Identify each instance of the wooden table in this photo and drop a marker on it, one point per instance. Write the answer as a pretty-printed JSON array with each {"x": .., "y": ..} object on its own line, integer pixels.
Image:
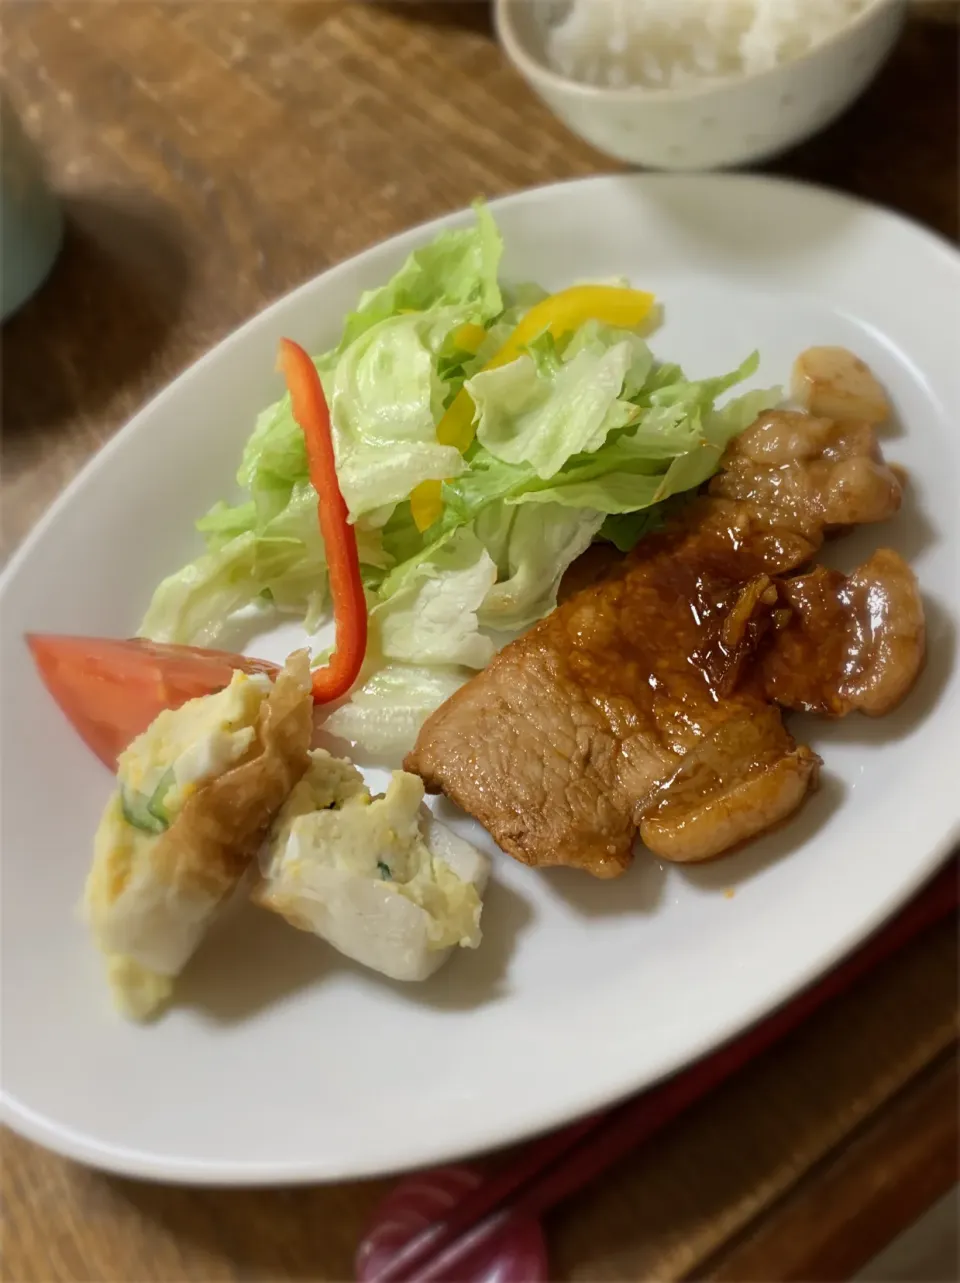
[{"x": 212, "y": 156}]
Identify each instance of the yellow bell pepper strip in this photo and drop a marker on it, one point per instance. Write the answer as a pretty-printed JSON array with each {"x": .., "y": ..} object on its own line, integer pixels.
[
  {"x": 468, "y": 338},
  {"x": 339, "y": 538},
  {"x": 559, "y": 314}
]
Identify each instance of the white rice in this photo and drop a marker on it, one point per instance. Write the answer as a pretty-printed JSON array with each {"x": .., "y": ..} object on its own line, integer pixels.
[{"x": 666, "y": 44}]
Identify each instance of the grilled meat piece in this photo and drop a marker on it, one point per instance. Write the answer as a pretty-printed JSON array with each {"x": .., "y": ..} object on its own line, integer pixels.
[
  {"x": 807, "y": 475},
  {"x": 847, "y": 643},
  {"x": 576, "y": 730},
  {"x": 644, "y": 702},
  {"x": 735, "y": 783}
]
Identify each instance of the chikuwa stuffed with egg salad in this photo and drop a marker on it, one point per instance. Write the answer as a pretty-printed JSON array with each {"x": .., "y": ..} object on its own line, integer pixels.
[
  {"x": 376, "y": 877},
  {"x": 196, "y": 793}
]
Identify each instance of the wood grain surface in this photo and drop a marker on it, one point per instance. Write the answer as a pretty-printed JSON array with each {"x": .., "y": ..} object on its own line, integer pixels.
[{"x": 210, "y": 157}]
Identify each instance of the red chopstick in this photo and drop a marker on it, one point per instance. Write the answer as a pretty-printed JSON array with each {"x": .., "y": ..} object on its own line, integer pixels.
[{"x": 557, "y": 1166}]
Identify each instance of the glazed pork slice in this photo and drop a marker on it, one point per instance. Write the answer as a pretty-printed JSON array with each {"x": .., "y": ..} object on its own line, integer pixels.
[
  {"x": 573, "y": 733},
  {"x": 640, "y": 704},
  {"x": 808, "y": 476},
  {"x": 848, "y": 643},
  {"x": 838, "y": 644},
  {"x": 742, "y": 779}
]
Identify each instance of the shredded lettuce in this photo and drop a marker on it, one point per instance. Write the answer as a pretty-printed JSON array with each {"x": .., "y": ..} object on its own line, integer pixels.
[
  {"x": 280, "y": 562},
  {"x": 386, "y": 397},
  {"x": 429, "y": 615},
  {"x": 581, "y": 437},
  {"x": 386, "y": 388},
  {"x": 543, "y": 409},
  {"x": 384, "y": 716},
  {"x": 459, "y": 268},
  {"x": 674, "y": 442},
  {"x": 531, "y": 548}
]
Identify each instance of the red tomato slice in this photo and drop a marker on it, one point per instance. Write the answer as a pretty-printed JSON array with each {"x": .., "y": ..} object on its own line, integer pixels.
[{"x": 112, "y": 690}]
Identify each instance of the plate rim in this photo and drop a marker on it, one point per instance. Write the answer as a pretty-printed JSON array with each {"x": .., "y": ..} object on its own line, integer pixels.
[{"x": 206, "y": 1173}]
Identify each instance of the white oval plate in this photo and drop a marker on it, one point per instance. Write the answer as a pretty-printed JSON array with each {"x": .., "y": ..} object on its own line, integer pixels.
[{"x": 286, "y": 1063}]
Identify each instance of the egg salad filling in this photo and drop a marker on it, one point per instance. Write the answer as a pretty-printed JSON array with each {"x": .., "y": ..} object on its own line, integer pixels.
[
  {"x": 181, "y": 750},
  {"x": 185, "y": 746},
  {"x": 377, "y": 877}
]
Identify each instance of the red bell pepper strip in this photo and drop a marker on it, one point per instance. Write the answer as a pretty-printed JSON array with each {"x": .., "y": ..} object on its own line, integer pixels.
[
  {"x": 346, "y": 587},
  {"x": 113, "y": 690}
]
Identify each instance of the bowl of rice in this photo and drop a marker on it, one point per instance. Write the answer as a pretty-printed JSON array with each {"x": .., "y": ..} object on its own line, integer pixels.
[{"x": 697, "y": 84}]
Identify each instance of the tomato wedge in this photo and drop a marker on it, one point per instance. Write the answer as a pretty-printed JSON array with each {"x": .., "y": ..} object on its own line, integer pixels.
[{"x": 112, "y": 690}]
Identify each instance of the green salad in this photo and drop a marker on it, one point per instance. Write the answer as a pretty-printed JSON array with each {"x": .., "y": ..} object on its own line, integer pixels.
[{"x": 485, "y": 435}]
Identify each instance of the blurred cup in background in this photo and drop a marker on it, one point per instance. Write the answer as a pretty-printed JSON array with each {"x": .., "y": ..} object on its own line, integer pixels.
[{"x": 31, "y": 221}]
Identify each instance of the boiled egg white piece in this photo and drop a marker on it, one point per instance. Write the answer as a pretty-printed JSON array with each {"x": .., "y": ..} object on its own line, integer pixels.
[{"x": 376, "y": 877}]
